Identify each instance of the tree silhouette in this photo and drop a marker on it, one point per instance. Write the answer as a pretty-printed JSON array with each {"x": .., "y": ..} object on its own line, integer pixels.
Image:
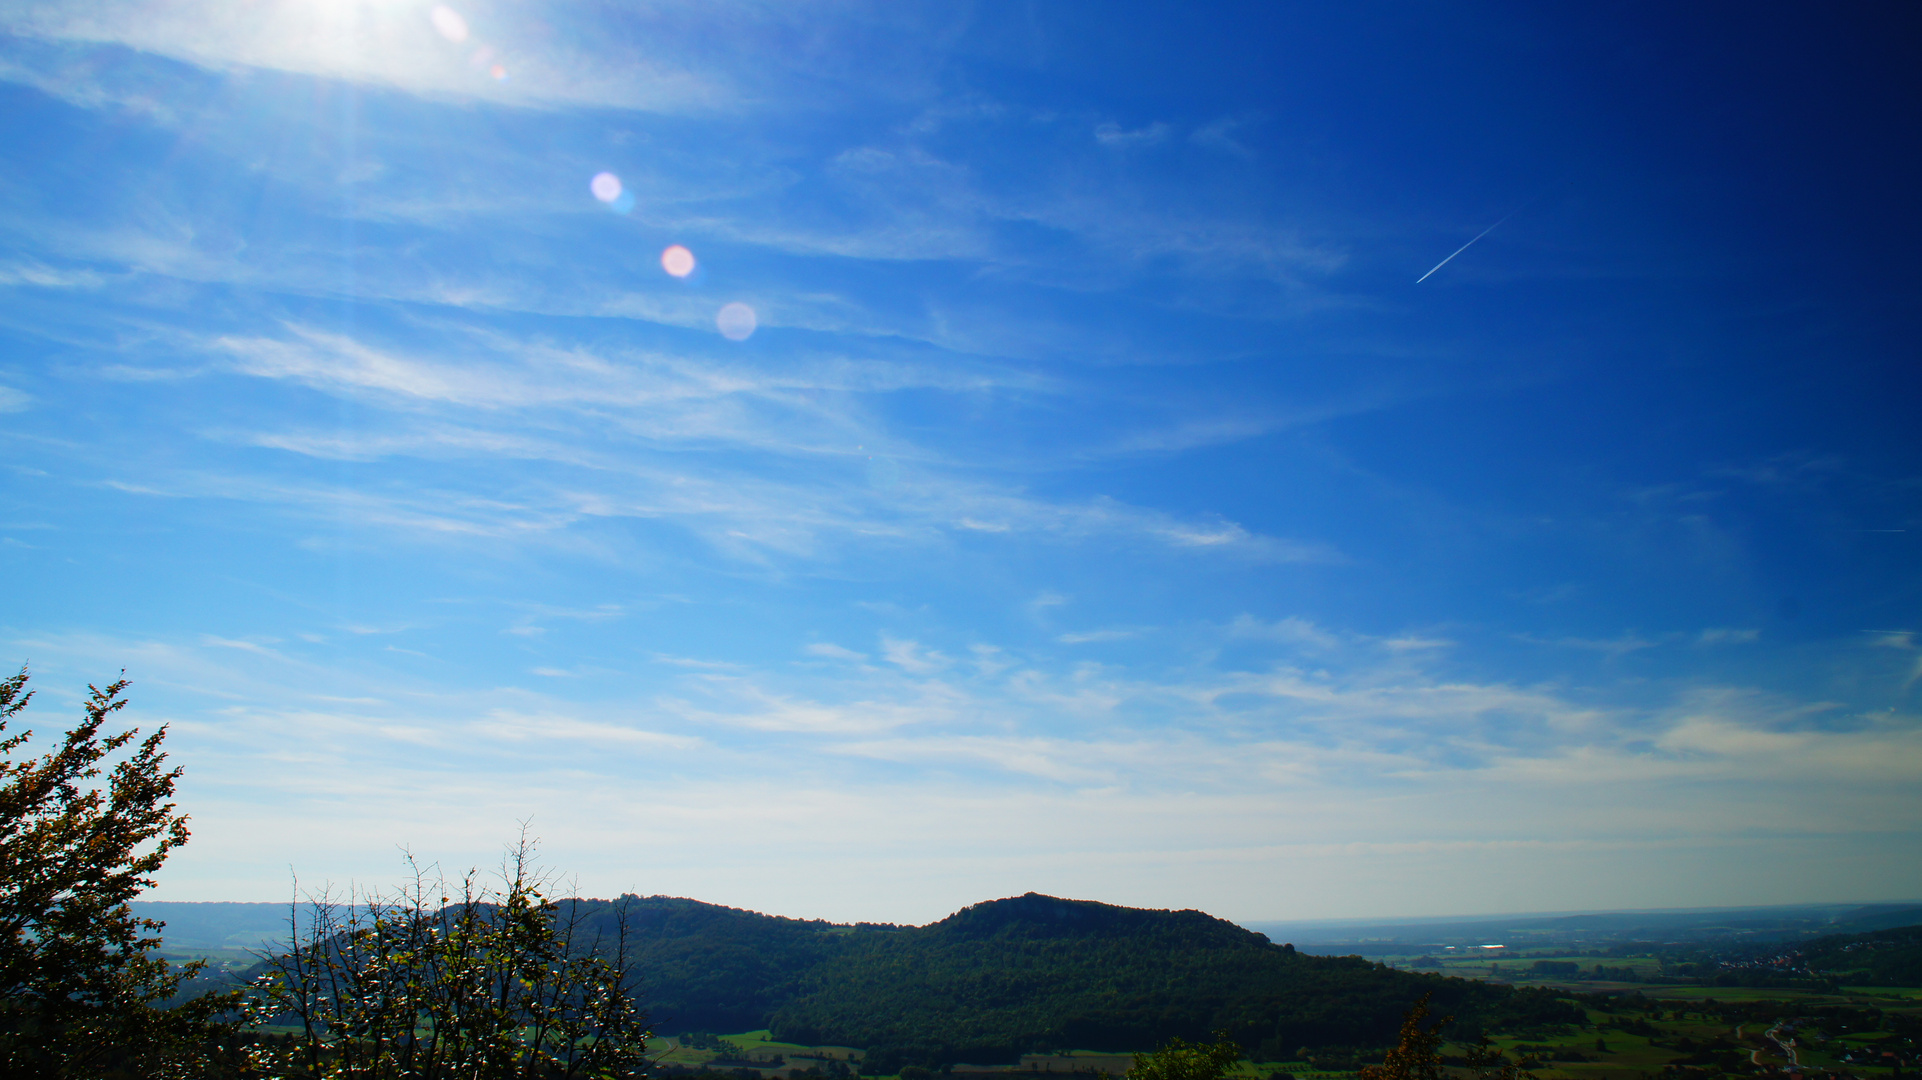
[
  {"x": 454, "y": 980},
  {"x": 79, "y": 988},
  {"x": 1417, "y": 1053}
]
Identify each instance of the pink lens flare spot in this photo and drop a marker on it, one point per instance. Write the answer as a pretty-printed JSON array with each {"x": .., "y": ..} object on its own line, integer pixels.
[
  {"x": 605, "y": 186},
  {"x": 679, "y": 261},
  {"x": 736, "y": 322},
  {"x": 498, "y": 72},
  {"x": 449, "y": 23},
  {"x": 482, "y": 57}
]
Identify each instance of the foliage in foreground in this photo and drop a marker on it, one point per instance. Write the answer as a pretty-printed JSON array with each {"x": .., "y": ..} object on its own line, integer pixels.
[
  {"x": 423, "y": 984},
  {"x": 1417, "y": 1052},
  {"x": 1179, "y": 1059},
  {"x": 79, "y": 987}
]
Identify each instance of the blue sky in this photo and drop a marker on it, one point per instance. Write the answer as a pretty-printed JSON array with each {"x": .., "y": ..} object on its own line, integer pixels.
[{"x": 1096, "y": 503}]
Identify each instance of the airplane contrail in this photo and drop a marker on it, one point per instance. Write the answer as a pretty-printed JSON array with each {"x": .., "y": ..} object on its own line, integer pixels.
[{"x": 1466, "y": 246}]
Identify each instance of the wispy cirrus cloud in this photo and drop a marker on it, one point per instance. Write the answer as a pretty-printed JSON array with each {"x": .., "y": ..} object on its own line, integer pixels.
[
  {"x": 1218, "y": 134},
  {"x": 43, "y": 276},
  {"x": 1355, "y": 721},
  {"x": 1114, "y": 135},
  {"x": 1088, "y": 637},
  {"x": 492, "y": 370},
  {"x": 617, "y": 433},
  {"x": 1261, "y": 763}
]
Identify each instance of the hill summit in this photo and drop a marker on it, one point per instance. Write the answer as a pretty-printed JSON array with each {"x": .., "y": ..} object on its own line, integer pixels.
[
  {"x": 1028, "y": 974},
  {"x": 1039, "y": 915}
]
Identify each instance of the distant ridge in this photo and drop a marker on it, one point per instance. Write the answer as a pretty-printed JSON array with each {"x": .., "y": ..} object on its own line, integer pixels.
[
  {"x": 228, "y": 924},
  {"x": 1774, "y": 923},
  {"x": 216, "y": 925}
]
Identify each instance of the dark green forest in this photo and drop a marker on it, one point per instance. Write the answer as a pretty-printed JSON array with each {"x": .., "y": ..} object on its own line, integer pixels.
[
  {"x": 1879, "y": 958},
  {"x": 704, "y": 967},
  {"x": 1029, "y": 974}
]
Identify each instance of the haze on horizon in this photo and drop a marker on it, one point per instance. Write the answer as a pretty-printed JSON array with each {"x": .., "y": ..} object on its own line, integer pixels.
[{"x": 855, "y": 460}]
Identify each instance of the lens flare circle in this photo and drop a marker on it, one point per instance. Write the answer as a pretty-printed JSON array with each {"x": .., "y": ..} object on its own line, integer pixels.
[
  {"x": 605, "y": 186},
  {"x": 736, "y": 321},
  {"x": 679, "y": 262},
  {"x": 449, "y": 23}
]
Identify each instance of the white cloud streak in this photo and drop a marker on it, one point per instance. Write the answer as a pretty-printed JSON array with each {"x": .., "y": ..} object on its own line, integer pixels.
[{"x": 1056, "y": 776}]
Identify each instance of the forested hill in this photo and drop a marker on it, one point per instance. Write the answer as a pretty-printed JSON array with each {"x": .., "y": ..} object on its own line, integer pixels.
[
  {"x": 1890, "y": 957},
  {"x": 704, "y": 967},
  {"x": 1030, "y": 973}
]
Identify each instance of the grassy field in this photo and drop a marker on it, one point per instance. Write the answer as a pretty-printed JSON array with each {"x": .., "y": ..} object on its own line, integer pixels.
[
  {"x": 217, "y": 959},
  {"x": 1896, "y": 993},
  {"x": 1901, "y": 999},
  {"x": 1733, "y": 993},
  {"x": 755, "y": 1046},
  {"x": 1517, "y": 967}
]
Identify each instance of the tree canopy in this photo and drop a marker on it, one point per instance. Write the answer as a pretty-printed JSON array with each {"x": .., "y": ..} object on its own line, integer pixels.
[
  {"x": 1179, "y": 1059},
  {"x": 438, "y": 980},
  {"x": 81, "y": 990}
]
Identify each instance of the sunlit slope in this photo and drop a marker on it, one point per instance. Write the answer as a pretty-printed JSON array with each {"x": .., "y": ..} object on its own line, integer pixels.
[
  {"x": 704, "y": 967},
  {"x": 1037, "y": 973}
]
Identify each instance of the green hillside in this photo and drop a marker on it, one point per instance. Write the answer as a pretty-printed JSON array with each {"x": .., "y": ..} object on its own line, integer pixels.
[
  {"x": 704, "y": 967},
  {"x": 1035, "y": 973},
  {"x": 1029, "y": 974}
]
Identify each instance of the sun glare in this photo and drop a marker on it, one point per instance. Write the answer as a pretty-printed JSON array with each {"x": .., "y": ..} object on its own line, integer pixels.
[{"x": 449, "y": 23}]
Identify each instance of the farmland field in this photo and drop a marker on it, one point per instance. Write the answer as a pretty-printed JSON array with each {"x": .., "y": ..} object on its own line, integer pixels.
[
  {"x": 1900, "y": 993},
  {"x": 751, "y": 1050}
]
